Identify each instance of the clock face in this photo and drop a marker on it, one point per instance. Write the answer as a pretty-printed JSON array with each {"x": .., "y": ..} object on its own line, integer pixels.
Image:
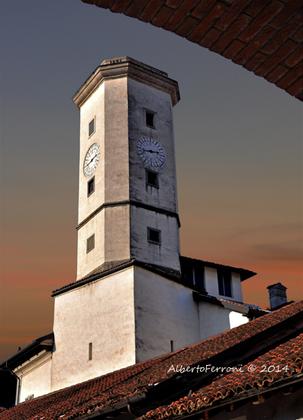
[
  {"x": 151, "y": 152},
  {"x": 91, "y": 159}
]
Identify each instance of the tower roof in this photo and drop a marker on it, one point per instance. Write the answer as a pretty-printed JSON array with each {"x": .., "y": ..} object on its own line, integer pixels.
[{"x": 126, "y": 66}]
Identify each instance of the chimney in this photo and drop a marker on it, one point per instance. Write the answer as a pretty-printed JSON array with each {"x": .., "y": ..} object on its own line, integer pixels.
[{"x": 277, "y": 295}]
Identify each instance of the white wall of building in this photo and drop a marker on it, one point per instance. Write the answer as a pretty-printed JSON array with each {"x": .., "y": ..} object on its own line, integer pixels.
[
  {"x": 236, "y": 319},
  {"x": 236, "y": 287},
  {"x": 101, "y": 313},
  {"x": 108, "y": 104},
  {"x": 213, "y": 319},
  {"x": 35, "y": 376},
  {"x": 165, "y": 311},
  {"x": 211, "y": 284},
  {"x": 166, "y": 254},
  {"x": 129, "y": 316},
  {"x": 211, "y": 281}
]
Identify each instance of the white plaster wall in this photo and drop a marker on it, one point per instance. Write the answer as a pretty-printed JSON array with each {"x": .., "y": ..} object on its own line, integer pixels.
[
  {"x": 109, "y": 106},
  {"x": 236, "y": 287},
  {"x": 116, "y": 140},
  {"x": 236, "y": 319},
  {"x": 213, "y": 319},
  {"x": 103, "y": 313},
  {"x": 92, "y": 108},
  {"x": 165, "y": 311},
  {"x": 111, "y": 228},
  {"x": 141, "y": 97},
  {"x": 167, "y": 253},
  {"x": 89, "y": 261},
  {"x": 35, "y": 377},
  {"x": 211, "y": 284},
  {"x": 117, "y": 233},
  {"x": 118, "y": 106},
  {"x": 211, "y": 281}
]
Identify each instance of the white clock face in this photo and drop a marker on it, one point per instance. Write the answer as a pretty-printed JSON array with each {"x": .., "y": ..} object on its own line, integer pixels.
[
  {"x": 91, "y": 159},
  {"x": 151, "y": 152}
]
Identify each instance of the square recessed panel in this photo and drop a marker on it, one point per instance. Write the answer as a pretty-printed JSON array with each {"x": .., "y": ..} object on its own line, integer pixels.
[
  {"x": 150, "y": 119},
  {"x": 90, "y": 186},
  {"x": 90, "y": 244},
  {"x": 154, "y": 236},
  {"x": 152, "y": 179},
  {"x": 91, "y": 127}
]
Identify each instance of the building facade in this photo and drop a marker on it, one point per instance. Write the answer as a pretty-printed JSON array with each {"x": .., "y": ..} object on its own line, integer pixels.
[{"x": 135, "y": 296}]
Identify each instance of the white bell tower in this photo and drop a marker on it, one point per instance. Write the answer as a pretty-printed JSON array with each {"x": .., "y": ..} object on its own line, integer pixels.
[
  {"x": 127, "y": 174},
  {"x": 124, "y": 307}
]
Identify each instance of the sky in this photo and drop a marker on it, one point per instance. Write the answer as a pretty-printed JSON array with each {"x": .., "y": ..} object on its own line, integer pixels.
[{"x": 238, "y": 150}]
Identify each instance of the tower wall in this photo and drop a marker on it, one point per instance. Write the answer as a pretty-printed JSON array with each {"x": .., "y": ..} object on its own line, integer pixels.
[
  {"x": 123, "y": 206},
  {"x": 165, "y": 311},
  {"x": 101, "y": 313}
]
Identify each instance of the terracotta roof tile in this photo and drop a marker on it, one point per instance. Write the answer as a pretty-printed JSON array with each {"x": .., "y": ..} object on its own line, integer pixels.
[
  {"x": 117, "y": 387},
  {"x": 287, "y": 360}
]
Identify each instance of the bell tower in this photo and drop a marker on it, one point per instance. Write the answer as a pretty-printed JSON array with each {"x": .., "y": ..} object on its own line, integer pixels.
[
  {"x": 123, "y": 307},
  {"x": 127, "y": 174}
]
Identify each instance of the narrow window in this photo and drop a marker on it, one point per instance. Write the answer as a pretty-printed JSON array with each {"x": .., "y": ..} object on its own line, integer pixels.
[
  {"x": 90, "y": 351},
  {"x": 154, "y": 236},
  {"x": 224, "y": 283},
  {"x": 150, "y": 119},
  {"x": 152, "y": 179},
  {"x": 90, "y": 186},
  {"x": 199, "y": 276},
  {"x": 91, "y": 127},
  {"x": 90, "y": 244},
  {"x": 171, "y": 345}
]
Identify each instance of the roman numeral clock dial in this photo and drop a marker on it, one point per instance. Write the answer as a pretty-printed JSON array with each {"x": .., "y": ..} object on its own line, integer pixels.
[
  {"x": 91, "y": 160},
  {"x": 151, "y": 152}
]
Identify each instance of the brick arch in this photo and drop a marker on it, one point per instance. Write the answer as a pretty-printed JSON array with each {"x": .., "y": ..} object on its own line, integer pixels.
[{"x": 263, "y": 36}]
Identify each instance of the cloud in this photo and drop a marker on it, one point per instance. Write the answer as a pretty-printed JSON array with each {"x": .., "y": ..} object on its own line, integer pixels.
[{"x": 292, "y": 252}]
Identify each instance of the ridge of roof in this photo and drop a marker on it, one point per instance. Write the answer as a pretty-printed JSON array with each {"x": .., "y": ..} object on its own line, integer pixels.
[
  {"x": 101, "y": 393},
  {"x": 244, "y": 273}
]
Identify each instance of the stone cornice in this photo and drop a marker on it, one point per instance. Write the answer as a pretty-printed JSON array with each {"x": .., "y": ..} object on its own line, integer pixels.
[
  {"x": 127, "y": 67},
  {"x": 134, "y": 203}
]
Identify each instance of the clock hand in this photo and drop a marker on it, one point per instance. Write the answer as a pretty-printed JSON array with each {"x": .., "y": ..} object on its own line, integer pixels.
[
  {"x": 151, "y": 151},
  {"x": 91, "y": 160}
]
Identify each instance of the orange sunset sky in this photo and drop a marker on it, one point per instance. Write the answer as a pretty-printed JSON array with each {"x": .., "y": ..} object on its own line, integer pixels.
[{"x": 238, "y": 150}]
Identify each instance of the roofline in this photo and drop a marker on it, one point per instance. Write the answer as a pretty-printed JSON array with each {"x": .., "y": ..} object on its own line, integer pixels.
[
  {"x": 167, "y": 273},
  {"x": 248, "y": 395},
  {"x": 244, "y": 273},
  {"x": 29, "y": 351},
  {"x": 118, "y": 67},
  {"x": 251, "y": 311},
  {"x": 163, "y": 271}
]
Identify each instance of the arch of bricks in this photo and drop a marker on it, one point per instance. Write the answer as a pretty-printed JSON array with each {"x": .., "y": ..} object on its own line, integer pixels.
[{"x": 263, "y": 36}]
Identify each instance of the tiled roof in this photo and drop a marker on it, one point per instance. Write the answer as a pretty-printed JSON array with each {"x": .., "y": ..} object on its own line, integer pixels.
[
  {"x": 286, "y": 361},
  {"x": 117, "y": 388},
  {"x": 233, "y": 305}
]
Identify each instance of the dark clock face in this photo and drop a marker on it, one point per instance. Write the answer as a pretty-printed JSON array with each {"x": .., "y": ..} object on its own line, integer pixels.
[{"x": 151, "y": 152}]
